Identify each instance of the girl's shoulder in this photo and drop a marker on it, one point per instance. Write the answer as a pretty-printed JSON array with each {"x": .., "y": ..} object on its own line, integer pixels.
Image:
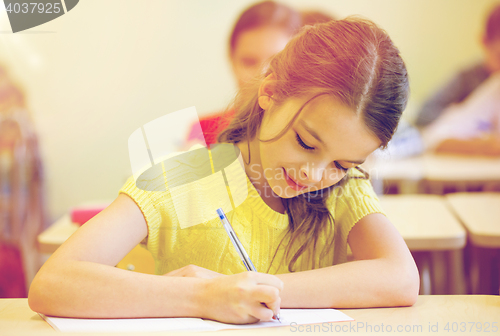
[
  {"x": 353, "y": 199},
  {"x": 151, "y": 199},
  {"x": 357, "y": 185}
]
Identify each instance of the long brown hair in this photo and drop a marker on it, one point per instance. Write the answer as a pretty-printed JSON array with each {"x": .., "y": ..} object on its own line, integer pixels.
[{"x": 352, "y": 60}]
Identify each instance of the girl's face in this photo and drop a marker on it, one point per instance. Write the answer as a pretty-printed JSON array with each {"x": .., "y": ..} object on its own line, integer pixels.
[
  {"x": 324, "y": 142},
  {"x": 253, "y": 48}
]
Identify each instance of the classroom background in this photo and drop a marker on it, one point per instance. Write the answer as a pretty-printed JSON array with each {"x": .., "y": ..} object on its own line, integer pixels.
[{"x": 93, "y": 76}]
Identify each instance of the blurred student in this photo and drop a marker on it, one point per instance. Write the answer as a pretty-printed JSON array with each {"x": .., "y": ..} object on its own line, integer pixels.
[
  {"x": 260, "y": 32},
  {"x": 465, "y": 114},
  {"x": 22, "y": 215},
  {"x": 471, "y": 128},
  {"x": 466, "y": 81}
]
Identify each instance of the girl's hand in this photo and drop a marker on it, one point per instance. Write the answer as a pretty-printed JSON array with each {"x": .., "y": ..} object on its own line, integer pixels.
[
  {"x": 194, "y": 271},
  {"x": 246, "y": 297}
]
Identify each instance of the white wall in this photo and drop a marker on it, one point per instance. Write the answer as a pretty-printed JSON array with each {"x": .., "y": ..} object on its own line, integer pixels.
[{"x": 105, "y": 68}]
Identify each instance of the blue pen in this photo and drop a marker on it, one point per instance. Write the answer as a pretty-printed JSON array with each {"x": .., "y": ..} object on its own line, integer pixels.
[{"x": 237, "y": 245}]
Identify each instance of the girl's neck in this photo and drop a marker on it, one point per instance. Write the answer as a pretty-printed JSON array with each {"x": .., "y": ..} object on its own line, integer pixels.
[{"x": 255, "y": 174}]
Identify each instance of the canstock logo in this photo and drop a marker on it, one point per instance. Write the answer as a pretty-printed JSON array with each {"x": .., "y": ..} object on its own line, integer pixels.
[
  {"x": 199, "y": 181},
  {"x": 26, "y": 14}
]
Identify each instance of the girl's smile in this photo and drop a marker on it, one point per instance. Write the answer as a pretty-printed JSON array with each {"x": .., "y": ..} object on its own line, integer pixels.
[{"x": 294, "y": 185}]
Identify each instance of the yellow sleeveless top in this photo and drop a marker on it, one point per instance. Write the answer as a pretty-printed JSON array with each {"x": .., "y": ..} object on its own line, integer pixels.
[{"x": 259, "y": 228}]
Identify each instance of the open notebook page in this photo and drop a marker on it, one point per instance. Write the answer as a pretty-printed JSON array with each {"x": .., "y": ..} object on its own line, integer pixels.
[
  {"x": 288, "y": 316},
  {"x": 291, "y": 316}
]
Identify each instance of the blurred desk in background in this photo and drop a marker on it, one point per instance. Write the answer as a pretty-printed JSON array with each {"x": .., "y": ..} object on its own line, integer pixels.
[
  {"x": 434, "y": 173},
  {"x": 480, "y": 213},
  {"x": 434, "y": 236},
  {"x": 461, "y": 172},
  {"x": 139, "y": 259},
  {"x": 56, "y": 234}
]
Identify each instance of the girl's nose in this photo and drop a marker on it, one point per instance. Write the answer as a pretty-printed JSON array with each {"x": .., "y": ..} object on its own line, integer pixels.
[{"x": 312, "y": 174}]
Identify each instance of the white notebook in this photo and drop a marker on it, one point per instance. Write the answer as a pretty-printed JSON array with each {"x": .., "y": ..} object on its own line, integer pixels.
[{"x": 288, "y": 317}]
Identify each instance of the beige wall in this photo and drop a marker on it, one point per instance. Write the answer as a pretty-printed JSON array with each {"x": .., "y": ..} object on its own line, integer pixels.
[{"x": 99, "y": 72}]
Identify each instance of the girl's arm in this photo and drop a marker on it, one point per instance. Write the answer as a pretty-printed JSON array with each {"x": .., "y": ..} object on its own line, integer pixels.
[
  {"x": 383, "y": 274},
  {"x": 80, "y": 280}
]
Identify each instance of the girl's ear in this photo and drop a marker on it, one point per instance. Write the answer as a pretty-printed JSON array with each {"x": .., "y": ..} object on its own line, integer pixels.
[{"x": 266, "y": 91}]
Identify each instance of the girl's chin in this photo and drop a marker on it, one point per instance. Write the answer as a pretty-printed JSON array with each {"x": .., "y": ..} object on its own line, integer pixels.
[{"x": 286, "y": 192}]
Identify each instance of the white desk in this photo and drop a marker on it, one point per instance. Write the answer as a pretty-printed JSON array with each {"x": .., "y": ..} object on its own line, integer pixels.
[
  {"x": 427, "y": 225},
  {"x": 480, "y": 214},
  {"x": 431, "y": 315}
]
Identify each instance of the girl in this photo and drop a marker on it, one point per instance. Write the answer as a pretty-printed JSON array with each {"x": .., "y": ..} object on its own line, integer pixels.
[{"x": 329, "y": 99}]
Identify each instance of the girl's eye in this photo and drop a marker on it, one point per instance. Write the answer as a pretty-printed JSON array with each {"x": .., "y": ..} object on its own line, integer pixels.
[
  {"x": 306, "y": 147},
  {"x": 340, "y": 167},
  {"x": 302, "y": 144}
]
